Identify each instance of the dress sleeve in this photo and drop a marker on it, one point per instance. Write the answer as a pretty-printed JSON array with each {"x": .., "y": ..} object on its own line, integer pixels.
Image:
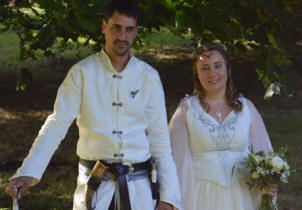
[
  {"x": 160, "y": 146},
  {"x": 66, "y": 109},
  {"x": 259, "y": 137},
  {"x": 180, "y": 142}
]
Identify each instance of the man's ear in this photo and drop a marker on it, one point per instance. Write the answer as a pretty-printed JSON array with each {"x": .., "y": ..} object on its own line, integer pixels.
[
  {"x": 136, "y": 32},
  {"x": 104, "y": 24}
]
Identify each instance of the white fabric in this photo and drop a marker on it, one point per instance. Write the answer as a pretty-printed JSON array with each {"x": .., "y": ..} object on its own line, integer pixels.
[
  {"x": 130, "y": 132},
  {"x": 139, "y": 190},
  {"x": 212, "y": 196},
  {"x": 205, "y": 153}
]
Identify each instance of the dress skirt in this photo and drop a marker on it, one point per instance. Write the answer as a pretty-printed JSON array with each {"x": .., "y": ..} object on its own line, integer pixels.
[{"x": 213, "y": 196}]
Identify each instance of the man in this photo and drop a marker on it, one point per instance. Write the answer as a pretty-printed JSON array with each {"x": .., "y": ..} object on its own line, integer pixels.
[{"x": 118, "y": 101}]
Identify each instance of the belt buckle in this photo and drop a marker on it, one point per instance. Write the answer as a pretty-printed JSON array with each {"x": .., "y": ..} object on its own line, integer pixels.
[
  {"x": 130, "y": 167},
  {"x": 113, "y": 160}
]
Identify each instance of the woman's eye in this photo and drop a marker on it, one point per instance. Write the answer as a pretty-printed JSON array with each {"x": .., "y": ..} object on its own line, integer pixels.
[
  {"x": 205, "y": 68},
  {"x": 218, "y": 66}
]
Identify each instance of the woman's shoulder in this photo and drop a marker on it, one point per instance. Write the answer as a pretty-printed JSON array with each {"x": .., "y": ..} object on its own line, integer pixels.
[
  {"x": 189, "y": 102},
  {"x": 188, "y": 99},
  {"x": 245, "y": 101},
  {"x": 185, "y": 102},
  {"x": 247, "y": 104}
]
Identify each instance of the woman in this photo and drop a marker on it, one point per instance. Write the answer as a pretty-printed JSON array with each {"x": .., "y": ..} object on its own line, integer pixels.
[{"x": 211, "y": 132}]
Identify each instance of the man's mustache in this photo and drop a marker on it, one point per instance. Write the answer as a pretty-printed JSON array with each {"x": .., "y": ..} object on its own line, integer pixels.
[{"x": 121, "y": 42}]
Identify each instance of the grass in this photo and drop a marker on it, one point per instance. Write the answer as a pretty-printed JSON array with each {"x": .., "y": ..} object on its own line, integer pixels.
[
  {"x": 9, "y": 42},
  {"x": 285, "y": 130},
  {"x": 22, "y": 114},
  {"x": 9, "y": 53}
]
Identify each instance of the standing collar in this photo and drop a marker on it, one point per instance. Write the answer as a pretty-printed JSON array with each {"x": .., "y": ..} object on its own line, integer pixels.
[{"x": 108, "y": 65}]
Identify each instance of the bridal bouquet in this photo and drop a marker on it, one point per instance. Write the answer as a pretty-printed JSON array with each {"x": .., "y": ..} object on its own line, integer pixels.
[{"x": 266, "y": 170}]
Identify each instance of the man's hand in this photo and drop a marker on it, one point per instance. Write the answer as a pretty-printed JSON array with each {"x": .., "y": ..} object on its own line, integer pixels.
[
  {"x": 22, "y": 183},
  {"x": 164, "y": 206}
]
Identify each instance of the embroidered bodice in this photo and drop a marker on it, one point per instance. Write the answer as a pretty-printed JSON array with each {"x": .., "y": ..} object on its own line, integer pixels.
[{"x": 217, "y": 148}]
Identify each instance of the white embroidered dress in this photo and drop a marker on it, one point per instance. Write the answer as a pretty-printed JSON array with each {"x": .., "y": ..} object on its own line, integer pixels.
[{"x": 206, "y": 151}]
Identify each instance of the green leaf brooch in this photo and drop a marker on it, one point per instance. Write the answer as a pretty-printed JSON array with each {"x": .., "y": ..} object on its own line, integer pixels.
[{"x": 133, "y": 93}]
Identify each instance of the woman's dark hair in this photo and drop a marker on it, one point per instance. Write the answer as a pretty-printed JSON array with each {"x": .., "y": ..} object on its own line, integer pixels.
[
  {"x": 125, "y": 7},
  {"x": 232, "y": 94}
]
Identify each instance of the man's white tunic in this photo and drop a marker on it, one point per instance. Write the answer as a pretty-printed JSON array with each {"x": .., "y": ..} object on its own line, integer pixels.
[{"x": 120, "y": 116}]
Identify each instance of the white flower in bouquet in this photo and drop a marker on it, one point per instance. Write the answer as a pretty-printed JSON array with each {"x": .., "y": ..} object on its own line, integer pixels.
[
  {"x": 277, "y": 163},
  {"x": 262, "y": 171},
  {"x": 286, "y": 166},
  {"x": 284, "y": 176},
  {"x": 258, "y": 158},
  {"x": 259, "y": 170}
]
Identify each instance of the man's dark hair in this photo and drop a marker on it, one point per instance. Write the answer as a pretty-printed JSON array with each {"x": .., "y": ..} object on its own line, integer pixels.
[{"x": 125, "y": 7}]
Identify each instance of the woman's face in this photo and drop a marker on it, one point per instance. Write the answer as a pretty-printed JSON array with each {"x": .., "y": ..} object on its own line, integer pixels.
[{"x": 212, "y": 72}]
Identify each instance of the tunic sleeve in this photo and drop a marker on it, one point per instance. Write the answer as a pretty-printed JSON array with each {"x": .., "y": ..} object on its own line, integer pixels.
[
  {"x": 158, "y": 134},
  {"x": 180, "y": 141},
  {"x": 66, "y": 109}
]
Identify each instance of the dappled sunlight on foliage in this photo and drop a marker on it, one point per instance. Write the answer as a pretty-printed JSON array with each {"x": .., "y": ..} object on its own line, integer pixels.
[{"x": 272, "y": 28}]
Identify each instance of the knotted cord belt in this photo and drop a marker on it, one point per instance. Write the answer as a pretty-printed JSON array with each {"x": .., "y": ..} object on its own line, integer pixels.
[{"x": 119, "y": 172}]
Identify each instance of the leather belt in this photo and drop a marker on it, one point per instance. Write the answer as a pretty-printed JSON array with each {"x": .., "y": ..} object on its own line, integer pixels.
[
  {"x": 119, "y": 172},
  {"x": 133, "y": 167}
]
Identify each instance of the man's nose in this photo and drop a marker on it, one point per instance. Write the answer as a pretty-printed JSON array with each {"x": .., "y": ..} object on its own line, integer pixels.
[{"x": 122, "y": 35}]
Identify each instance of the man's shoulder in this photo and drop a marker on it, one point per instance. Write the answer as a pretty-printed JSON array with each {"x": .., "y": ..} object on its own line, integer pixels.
[
  {"x": 87, "y": 65},
  {"x": 146, "y": 69},
  {"x": 88, "y": 61}
]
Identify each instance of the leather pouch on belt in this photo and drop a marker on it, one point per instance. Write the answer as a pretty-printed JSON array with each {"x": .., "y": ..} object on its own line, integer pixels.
[{"x": 94, "y": 181}]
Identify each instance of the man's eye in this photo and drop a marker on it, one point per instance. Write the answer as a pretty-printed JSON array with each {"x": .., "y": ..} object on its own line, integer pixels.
[
  {"x": 115, "y": 28},
  {"x": 130, "y": 29}
]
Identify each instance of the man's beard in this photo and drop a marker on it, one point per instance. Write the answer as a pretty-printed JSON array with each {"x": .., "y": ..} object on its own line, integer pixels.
[{"x": 124, "y": 50}]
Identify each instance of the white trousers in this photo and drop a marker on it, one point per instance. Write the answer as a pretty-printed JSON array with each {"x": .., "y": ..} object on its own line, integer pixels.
[{"x": 139, "y": 193}]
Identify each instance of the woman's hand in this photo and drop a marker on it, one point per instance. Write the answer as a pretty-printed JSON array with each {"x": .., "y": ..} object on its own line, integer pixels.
[{"x": 272, "y": 190}]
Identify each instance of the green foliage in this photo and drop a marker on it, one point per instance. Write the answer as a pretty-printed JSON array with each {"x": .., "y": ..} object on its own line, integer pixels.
[
  {"x": 275, "y": 26},
  {"x": 9, "y": 48},
  {"x": 271, "y": 28},
  {"x": 39, "y": 23},
  {"x": 24, "y": 79}
]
